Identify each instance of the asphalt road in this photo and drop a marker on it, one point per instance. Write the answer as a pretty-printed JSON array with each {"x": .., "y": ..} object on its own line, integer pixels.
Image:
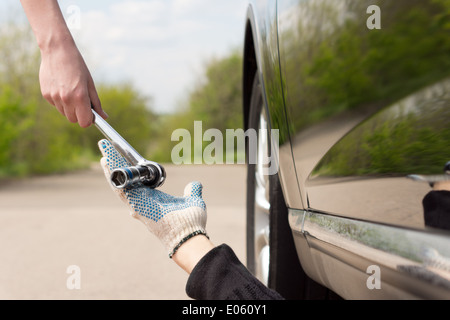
[{"x": 49, "y": 224}]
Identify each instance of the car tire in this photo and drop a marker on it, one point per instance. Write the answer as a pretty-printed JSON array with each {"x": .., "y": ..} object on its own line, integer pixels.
[{"x": 271, "y": 252}]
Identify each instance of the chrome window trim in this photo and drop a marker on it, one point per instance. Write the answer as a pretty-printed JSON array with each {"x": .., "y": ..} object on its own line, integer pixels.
[{"x": 413, "y": 263}]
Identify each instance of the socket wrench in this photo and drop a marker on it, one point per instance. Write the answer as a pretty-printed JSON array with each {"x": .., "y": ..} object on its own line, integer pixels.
[{"x": 141, "y": 172}]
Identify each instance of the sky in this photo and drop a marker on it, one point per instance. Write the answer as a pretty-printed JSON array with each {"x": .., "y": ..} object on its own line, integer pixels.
[{"x": 160, "y": 46}]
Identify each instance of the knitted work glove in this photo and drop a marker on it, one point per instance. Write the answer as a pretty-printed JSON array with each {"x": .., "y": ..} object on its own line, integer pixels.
[{"x": 172, "y": 219}]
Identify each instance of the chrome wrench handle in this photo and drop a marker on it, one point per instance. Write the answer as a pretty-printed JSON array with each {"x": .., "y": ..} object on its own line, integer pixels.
[
  {"x": 120, "y": 178},
  {"x": 121, "y": 145}
]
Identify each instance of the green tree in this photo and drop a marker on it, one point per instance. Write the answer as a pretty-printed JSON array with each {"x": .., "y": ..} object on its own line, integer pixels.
[{"x": 216, "y": 100}]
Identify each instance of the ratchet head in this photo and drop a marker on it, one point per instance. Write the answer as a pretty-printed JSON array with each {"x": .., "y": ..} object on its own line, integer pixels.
[{"x": 149, "y": 174}]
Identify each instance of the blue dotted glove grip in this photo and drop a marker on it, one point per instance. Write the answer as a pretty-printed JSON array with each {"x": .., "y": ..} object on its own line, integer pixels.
[{"x": 172, "y": 219}]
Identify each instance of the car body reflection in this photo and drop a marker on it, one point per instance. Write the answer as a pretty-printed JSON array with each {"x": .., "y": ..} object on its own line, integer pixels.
[{"x": 364, "y": 122}]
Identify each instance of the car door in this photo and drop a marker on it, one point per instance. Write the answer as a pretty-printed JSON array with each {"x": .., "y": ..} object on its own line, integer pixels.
[{"x": 366, "y": 86}]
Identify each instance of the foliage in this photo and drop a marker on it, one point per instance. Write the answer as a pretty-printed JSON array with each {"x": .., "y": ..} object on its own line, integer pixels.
[{"x": 215, "y": 100}]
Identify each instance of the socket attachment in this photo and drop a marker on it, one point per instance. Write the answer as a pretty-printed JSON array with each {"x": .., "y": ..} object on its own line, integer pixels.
[{"x": 148, "y": 174}]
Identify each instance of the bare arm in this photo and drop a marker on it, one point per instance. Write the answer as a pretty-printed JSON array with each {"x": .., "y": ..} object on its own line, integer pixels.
[{"x": 64, "y": 77}]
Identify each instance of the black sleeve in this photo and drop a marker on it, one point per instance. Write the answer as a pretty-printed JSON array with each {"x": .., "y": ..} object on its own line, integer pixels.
[
  {"x": 219, "y": 275},
  {"x": 436, "y": 205}
]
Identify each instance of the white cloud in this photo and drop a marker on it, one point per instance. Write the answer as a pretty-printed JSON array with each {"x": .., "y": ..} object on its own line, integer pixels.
[
  {"x": 149, "y": 10},
  {"x": 186, "y": 7}
]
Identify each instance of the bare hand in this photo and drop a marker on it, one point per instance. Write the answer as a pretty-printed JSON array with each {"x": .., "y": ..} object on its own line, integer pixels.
[{"x": 67, "y": 84}]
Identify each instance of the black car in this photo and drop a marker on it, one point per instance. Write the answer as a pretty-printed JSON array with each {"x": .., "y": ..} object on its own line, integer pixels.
[{"x": 358, "y": 92}]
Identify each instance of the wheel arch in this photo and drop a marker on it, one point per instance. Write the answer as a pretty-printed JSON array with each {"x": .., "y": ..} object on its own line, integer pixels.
[{"x": 250, "y": 67}]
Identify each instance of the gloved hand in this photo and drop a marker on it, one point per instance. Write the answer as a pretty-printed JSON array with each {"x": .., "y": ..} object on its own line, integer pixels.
[{"x": 173, "y": 220}]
